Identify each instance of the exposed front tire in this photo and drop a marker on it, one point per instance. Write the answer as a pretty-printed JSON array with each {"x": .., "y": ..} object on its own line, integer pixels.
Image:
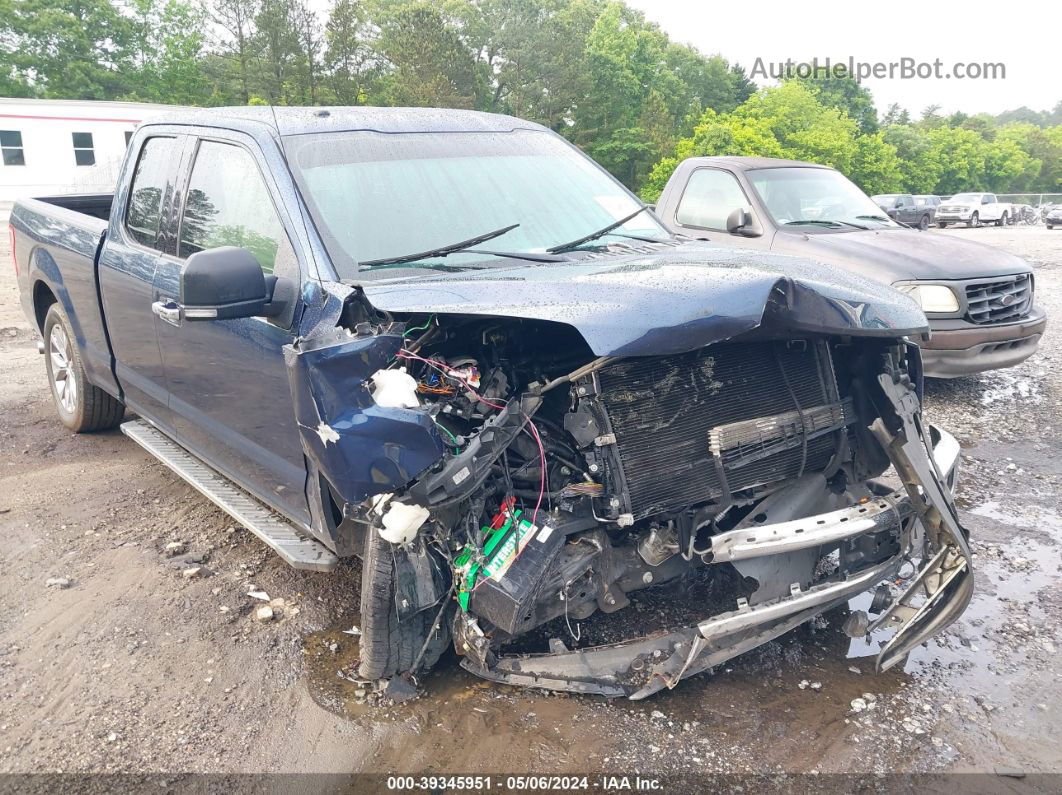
[
  {"x": 81, "y": 406},
  {"x": 941, "y": 224},
  {"x": 390, "y": 646},
  {"x": 975, "y": 220}
]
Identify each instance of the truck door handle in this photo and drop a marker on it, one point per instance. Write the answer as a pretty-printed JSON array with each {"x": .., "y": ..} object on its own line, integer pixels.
[{"x": 168, "y": 312}]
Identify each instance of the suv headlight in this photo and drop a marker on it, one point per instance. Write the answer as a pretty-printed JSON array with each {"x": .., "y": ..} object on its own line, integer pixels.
[{"x": 931, "y": 297}]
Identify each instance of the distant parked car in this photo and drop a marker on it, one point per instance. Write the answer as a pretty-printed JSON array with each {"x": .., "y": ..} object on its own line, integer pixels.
[
  {"x": 973, "y": 209},
  {"x": 979, "y": 299},
  {"x": 1053, "y": 216},
  {"x": 903, "y": 208},
  {"x": 929, "y": 204}
]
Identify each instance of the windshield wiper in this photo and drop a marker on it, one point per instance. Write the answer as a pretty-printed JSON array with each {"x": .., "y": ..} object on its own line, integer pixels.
[
  {"x": 530, "y": 256},
  {"x": 883, "y": 218},
  {"x": 599, "y": 233},
  {"x": 442, "y": 251},
  {"x": 823, "y": 222}
]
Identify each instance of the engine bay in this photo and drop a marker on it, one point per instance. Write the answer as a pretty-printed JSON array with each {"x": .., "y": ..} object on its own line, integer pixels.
[{"x": 569, "y": 481}]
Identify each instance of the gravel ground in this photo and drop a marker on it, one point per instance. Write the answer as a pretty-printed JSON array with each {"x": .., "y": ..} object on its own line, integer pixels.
[{"x": 128, "y": 662}]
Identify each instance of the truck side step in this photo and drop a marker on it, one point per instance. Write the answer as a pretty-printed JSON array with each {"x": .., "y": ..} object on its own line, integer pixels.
[{"x": 276, "y": 532}]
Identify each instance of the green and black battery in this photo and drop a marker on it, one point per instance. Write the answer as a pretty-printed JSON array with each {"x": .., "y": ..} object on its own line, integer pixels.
[{"x": 500, "y": 584}]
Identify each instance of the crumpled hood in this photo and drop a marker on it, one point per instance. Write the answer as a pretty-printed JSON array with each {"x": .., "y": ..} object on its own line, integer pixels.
[
  {"x": 663, "y": 300},
  {"x": 890, "y": 255}
]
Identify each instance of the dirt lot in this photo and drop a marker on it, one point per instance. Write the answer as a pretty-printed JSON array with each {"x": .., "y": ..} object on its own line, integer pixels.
[{"x": 135, "y": 667}]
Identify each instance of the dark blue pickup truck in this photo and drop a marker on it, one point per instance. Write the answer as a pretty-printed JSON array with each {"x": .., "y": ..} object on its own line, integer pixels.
[{"x": 450, "y": 344}]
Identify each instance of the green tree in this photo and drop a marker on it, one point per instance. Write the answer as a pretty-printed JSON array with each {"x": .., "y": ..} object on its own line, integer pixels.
[
  {"x": 428, "y": 63},
  {"x": 351, "y": 60},
  {"x": 919, "y": 169},
  {"x": 644, "y": 92},
  {"x": 235, "y": 18},
  {"x": 715, "y": 134},
  {"x": 1044, "y": 166},
  {"x": 277, "y": 47},
  {"x": 875, "y": 167},
  {"x": 167, "y": 41},
  {"x": 847, "y": 95},
  {"x": 805, "y": 128},
  {"x": 960, "y": 154},
  {"x": 1007, "y": 166},
  {"x": 895, "y": 115},
  {"x": 69, "y": 49},
  {"x": 787, "y": 121}
]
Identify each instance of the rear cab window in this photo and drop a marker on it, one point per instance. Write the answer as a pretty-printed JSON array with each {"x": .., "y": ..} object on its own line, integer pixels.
[{"x": 143, "y": 215}]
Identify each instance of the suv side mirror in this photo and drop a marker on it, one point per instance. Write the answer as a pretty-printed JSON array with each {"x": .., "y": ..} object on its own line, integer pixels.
[
  {"x": 222, "y": 284},
  {"x": 739, "y": 222}
]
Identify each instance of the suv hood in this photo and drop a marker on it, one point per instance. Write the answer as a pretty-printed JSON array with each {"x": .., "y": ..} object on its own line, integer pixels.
[
  {"x": 663, "y": 299},
  {"x": 890, "y": 255}
]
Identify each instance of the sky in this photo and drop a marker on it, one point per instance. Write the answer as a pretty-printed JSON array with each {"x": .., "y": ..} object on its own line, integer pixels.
[{"x": 1026, "y": 37}]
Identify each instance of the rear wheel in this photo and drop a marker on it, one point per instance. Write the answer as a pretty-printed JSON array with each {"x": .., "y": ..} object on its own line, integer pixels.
[
  {"x": 923, "y": 223},
  {"x": 1003, "y": 221},
  {"x": 390, "y": 646},
  {"x": 81, "y": 406}
]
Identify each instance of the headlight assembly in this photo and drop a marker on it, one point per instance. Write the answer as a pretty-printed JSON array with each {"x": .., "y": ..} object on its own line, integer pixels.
[{"x": 931, "y": 297}]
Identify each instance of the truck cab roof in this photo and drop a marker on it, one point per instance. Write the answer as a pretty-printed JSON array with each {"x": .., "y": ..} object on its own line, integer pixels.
[
  {"x": 751, "y": 163},
  {"x": 303, "y": 121}
]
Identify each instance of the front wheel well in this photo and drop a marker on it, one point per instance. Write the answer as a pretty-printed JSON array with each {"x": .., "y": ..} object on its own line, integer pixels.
[{"x": 43, "y": 297}]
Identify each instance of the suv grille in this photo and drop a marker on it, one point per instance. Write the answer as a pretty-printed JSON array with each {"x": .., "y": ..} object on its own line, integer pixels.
[{"x": 1000, "y": 301}]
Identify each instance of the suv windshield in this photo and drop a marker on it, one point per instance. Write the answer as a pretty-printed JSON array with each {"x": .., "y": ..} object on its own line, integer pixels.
[
  {"x": 382, "y": 196},
  {"x": 815, "y": 197}
]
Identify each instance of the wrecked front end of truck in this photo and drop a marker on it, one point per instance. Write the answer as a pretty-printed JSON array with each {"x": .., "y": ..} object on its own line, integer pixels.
[{"x": 520, "y": 452}]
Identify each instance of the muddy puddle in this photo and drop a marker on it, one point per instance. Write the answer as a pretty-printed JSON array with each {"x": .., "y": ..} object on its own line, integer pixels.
[{"x": 975, "y": 692}]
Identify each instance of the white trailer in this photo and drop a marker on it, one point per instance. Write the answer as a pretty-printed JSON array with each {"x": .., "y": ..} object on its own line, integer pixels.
[{"x": 50, "y": 147}]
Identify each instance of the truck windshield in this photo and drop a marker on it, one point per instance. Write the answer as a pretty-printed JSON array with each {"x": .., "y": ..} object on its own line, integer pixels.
[
  {"x": 795, "y": 195},
  {"x": 377, "y": 197},
  {"x": 967, "y": 198}
]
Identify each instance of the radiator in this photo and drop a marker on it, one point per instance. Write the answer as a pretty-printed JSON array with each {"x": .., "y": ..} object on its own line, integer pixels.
[{"x": 668, "y": 413}]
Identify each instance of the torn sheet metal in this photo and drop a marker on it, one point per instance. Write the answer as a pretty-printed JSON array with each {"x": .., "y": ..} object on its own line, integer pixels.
[
  {"x": 673, "y": 301},
  {"x": 361, "y": 448}
]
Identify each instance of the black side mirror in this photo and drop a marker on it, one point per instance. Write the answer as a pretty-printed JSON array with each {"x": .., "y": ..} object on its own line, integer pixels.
[
  {"x": 222, "y": 284},
  {"x": 739, "y": 222}
]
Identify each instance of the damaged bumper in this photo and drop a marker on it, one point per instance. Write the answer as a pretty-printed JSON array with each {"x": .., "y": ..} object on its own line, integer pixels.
[{"x": 934, "y": 597}]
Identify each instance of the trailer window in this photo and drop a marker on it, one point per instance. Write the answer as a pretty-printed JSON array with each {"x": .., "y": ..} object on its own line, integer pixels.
[
  {"x": 11, "y": 146},
  {"x": 84, "y": 153}
]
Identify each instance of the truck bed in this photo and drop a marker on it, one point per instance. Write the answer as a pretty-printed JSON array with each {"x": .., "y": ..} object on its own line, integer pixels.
[
  {"x": 56, "y": 242},
  {"x": 97, "y": 205}
]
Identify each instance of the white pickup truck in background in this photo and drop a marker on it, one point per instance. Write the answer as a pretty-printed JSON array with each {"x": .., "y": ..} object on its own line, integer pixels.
[{"x": 973, "y": 209}]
